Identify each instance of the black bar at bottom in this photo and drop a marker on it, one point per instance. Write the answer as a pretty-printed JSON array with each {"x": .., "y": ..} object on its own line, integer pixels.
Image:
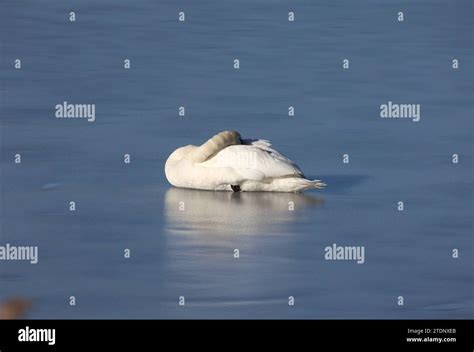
[{"x": 324, "y": 335}]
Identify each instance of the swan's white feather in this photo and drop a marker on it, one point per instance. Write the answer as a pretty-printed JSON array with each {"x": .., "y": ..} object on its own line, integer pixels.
[{"x": 255, "y": 161}]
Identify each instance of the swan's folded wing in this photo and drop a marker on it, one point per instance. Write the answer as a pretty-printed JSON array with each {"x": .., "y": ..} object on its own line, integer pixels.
[
  {"x": 251, "y": 174},
  {"x": 255, "y": 161},
  {"x": 280, "y": 159}
]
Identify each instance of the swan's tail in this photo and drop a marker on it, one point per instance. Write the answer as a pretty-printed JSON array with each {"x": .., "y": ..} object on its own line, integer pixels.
[
  {"x": 294, "y": 184},
  {"x": 303, "y": 184}
]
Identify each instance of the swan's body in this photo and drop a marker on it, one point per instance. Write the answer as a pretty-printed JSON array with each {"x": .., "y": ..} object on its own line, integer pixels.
[{"x": 226, "y": 162}]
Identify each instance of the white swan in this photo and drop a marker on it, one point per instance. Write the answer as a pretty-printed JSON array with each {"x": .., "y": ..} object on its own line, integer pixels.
[{"x": 228, "y": 163}]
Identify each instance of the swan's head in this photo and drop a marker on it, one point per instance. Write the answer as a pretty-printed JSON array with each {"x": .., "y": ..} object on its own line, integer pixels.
[{"x": 176, "y": 162}]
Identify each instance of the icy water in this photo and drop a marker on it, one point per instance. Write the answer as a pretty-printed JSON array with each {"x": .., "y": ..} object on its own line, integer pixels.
[{"x": 190, "y": 252}]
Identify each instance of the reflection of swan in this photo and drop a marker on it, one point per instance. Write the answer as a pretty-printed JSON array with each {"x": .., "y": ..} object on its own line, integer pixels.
[
  {"x": 224, "y": 212},
  {"x": 227, "y": 162}
]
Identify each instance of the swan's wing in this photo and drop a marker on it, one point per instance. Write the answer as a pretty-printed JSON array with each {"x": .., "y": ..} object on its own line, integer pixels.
[
  {"x": 254, "y": 160},
  {"x": 265, "y": 145}
]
